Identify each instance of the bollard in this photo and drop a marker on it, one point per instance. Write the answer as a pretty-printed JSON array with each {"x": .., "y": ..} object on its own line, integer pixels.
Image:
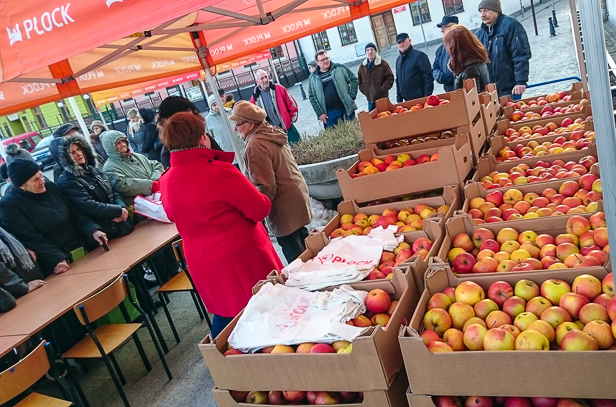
[
  {"x": 554, "y": 18},
  {"x": 301, "y": 88},
  {"x": 552, "y": 30}
]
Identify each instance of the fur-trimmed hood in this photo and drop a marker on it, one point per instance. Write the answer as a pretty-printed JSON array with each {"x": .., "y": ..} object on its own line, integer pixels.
[
  {"x": 66, "y": 160},
  {"x": 377, "y": 61},
  {"x": 12, "y": 149}
]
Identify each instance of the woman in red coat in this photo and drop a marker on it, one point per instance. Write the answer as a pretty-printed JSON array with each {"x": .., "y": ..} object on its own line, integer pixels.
[{"x": 218, "y": 213}]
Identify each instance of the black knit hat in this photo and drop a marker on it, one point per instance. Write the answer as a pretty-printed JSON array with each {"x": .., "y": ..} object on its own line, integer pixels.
[
  {"x": 370, "y": 45},
  {"x": 22, "y": 170}
]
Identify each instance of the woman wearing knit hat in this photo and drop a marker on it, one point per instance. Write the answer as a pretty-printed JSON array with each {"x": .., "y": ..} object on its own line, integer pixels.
[
  {"x": 273, "y": 170},
  {"x": 375, "y": 77},
  {"x": 44, "y": 220},
  {"x": 95, "y": 138}
]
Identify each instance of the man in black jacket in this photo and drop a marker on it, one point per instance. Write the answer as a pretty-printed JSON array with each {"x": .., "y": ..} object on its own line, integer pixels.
[
  {"x": 508, "y": 49},
  {"x": 440, "y": 70},
  {"x": 413, "y": 71}
]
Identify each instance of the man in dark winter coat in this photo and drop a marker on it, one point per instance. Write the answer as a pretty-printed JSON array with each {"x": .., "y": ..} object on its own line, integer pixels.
[
  {"x": 38, "y": 214},
  {"x": 413, "y": 71},
  {"x": 375, "y": 77},
  {"x": 152, "y": 145},
  {"x": 89, "y": 188},
  {"x": 65, "y": 130},
  {"x": 440, "y": 70},
  {"x": 508, "y": 49}
]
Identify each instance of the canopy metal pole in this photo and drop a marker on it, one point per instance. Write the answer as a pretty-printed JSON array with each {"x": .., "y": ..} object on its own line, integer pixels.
[
  {"x": 577, "y": 40},
  {"x": 82, "y": 124},
  {"x": 603, "y": 112}
]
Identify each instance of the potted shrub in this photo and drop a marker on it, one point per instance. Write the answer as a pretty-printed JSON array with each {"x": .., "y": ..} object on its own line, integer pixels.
[{"x": 320, "y": 156}]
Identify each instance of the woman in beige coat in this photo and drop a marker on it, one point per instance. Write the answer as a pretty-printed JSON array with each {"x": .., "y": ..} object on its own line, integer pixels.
[{"x": 272, "y": 169}]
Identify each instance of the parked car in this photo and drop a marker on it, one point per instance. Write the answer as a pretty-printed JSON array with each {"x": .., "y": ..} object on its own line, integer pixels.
[
  {"x": 27, "y": 141},
  {"x": 41, "y": 153}
]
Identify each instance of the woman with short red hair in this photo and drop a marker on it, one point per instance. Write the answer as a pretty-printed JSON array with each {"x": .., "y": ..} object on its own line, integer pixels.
[
  {"x": 218, "y": 213},
  {"x": 469, "y": 58}
]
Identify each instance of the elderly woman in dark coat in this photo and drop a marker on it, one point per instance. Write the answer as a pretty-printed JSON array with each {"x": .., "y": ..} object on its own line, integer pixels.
[{"x": 89, "y": 188}]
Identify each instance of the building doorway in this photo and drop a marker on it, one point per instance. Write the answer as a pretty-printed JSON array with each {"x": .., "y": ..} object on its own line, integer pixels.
[{"x": 384, "y": 29}]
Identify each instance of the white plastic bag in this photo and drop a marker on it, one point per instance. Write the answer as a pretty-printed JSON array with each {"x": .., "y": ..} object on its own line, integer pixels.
[
  {"x": 150, "y": 208},
  {"x": 281, "y": 315}
]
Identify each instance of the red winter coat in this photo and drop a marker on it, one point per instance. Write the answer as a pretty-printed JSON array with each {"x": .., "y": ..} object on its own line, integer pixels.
[{"x": 218, "y": 213}]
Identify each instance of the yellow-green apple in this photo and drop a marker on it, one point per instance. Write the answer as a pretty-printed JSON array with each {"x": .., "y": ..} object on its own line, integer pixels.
[
  {"x": 337, "y": 345},
  {"x": 362, "y": 321},
  {"x": 473, "y": 320},
  {"x": 506, "y": 234},
  {"x": 577, "y": 225},
  {"x": 563, "y": 328},
  {"x": 543, "y": 240},
  {"x": 378, "y": 301},
  {"x": 283, "y": 349},
  {"x": 499, "y": 291},
  {"x": 427, "y": 212},
  {"x": 553, "y": 289},
  {"x": 380, "y": 319},
  {"x": 498, "y": 339},
  {"x": 537, "y": 305},
  {"x": 439, "y": 300},
  {"x": 565, "y": 250},
  {"x": 463, "y": 241},
  {"x": 403, "y": 215},
  {"x": 601, "y": 332},
  {"x": 544, "y": 328},
  {"x": 607, "y": 285},
  {"x": 526, "y": 289},
  {"x": 596, "y": 186},
  {"x": 412, "y": 219},
  {"x": 346, "y": 218},
  {"x": 485, "y": 265},
  {"x": 438, "y": 320},
  {"x": 578, "y": 341},
  {"x": 527, "y": 236},
  {"x": 480, "y": 235},
  {"x": 531, "y": 248},
  {"x": 573, "y": 260},
  {"x": 555, "y": 316},
  {"x": 531, "y": 340},
  {"x": 579, "y": 323},
  {"x": 519, "y": 255},
  {"x": 600, "y": 237},
  {"x": 514, "y": 306},
  {"x": 497, "y": 318},
  {"x": 428, "y": 336},
  {"x": 451, "y": 293},
  {"x": 306, "y": 346},
  {"x": 512, "y": 329},
  {"x": 475, "y": 203},
  {"x": 460, "y": 313},
  {"x": 573, "y": 303},
  {"x": 512, "y": 196},
  {"x": 597, "y": 220},
  {"x": 506, "y": 265},
  {"x": 455, "y": 338},
  {"x": 566, "y": 238},
  {"x": 453, "y": 253},
  {"x": 587, "y": 285},
  {"x": 484, "y": 307},
  {"x": 256, "y": 397},
  {"x": 469, "y": 293},
  {"x": 593, "y": 312},
  {"x": 372, "y": 219},
  {"x": 523, "y": 320},
  {"x": 438, "y": 347},
  {"x": 509, "y": 247},
  {"x": 473, "y": 337}
]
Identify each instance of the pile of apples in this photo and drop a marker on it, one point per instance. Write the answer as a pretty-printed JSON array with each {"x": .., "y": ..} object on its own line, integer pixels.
[
  {"x": 584, "y": 244},
  {"x": 404, "y": 251},
  {"x": 484, "y": 401},
  {"x": 547, "y": 111},
  {"x": 432, "y": 101},
  {"x": 542, "y": 171},
  {"x": 554, "y": 316},
  {"x": 379, "y": 308},
  {"x": 561, "y": 96},
  {"x": 296, "y": 397},
  {"x": 527, "y": 133},
  {"x": 391, "y": 162},
  {"x": 407, "y": 220},
  {"x": 386, "y": 201},
  {"x": 534, "y": 149},
  {"x": 417, "y": 140},
  {"x": 579, "y": 196}
]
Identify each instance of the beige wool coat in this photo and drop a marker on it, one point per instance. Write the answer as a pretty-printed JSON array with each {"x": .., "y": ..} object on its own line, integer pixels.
[{"x": 272, "y": 169}]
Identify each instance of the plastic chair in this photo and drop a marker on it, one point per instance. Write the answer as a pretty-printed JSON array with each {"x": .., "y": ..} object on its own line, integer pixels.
[
  {"x": 181, "y": 282},
  {"x": 22, "y": 375},
  {"x": 103, "y": 340}
]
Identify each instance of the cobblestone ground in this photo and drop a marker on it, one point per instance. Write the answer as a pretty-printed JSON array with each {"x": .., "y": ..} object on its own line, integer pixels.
[{"x": 553, "y": 58}]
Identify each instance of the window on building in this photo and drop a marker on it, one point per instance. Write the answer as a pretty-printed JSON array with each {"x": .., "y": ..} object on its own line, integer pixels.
[
  {"x": 453, "y": 6},
  {"x": 347, "y": 33},
  {"x": 321, "y": 41},
  {"x": 277, "y": 52},
  {"x": 420, "y": 8},
  {"x": 40, "y": 119},
  {"x": 7, "y": 130}
]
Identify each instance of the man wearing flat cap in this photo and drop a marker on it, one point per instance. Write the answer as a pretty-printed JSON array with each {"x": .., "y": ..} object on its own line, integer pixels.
[
  {"x": 440, "y": 71},
  {"x": 375, "y": 76},
  {"x": 413, "y": 71},
  {"x": 508, "y": 49}
]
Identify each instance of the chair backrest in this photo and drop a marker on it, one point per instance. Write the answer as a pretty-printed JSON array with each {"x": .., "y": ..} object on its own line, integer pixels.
[
  {"x": 178, "y": 250},
  {"x": 19, "y": 377},
  {"x": 102, "y": 302}
]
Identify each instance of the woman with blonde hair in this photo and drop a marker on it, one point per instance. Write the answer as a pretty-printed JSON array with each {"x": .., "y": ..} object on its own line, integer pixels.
[{"x": 469, "y": 58}]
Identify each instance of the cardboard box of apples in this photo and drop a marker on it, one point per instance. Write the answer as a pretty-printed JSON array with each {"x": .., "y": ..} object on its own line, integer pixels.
[
  {"x": 562, "y": 97},
  {"x": 370, "y": 362},
  {"x": 543, "y": 111},
  {"x": 446, "y": 165},
  {"x": 417, "y": 400},
  {"x": 393, "y": 397},
  {"x": 563, "y": 196},
  {"x": 517, "y": 356},
  {"x": 437, "y": 112},
  {"x": 519, "y": 247},
  {"x": 490, "y": 107},
  {"x": 544, "y": 127},
  {"x": 532, "y": 168}
]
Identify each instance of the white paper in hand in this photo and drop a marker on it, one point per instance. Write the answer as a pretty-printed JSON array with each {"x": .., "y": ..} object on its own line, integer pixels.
[
  {"x": 283, "y": 315},
  {"x": 150, "y": 209}
]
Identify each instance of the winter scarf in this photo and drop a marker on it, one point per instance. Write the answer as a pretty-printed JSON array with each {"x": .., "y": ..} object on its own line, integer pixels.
[{"x": 12, "y": 248}]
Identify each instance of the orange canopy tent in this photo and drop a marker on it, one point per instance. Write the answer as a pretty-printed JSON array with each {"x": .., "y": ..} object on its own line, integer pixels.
[{"x": 58, "y": 49}]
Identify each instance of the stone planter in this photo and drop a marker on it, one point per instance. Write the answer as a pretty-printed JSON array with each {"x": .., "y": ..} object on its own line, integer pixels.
[{"x": 321, "y": 177}]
